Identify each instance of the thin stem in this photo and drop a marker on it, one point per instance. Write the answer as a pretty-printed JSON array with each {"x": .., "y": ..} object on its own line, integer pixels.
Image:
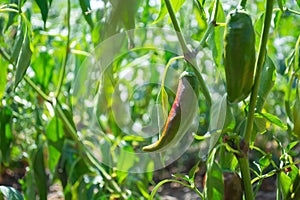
[
  {"x": 5, "y": 56},
  {"x": 177, "y": 27},
  {"x": 63, "y": 68},
  {"x": 154, "y": 191},
  {"x": 258, "y": 65},
  {"x": 190, "y": 57},
  {"x": 192, "y": 62},
  {"x": 245, "y": 170},
  {"x": 9, "y": 10},
  {"x": 287, "y": 10},
  {"x": 211, "y": 25},
  {"x": 273, "y": 172},
  {"x": 292, "y": 11},
  {"x": 37, "y": 89},
  {"x": 205, "y": 36}
]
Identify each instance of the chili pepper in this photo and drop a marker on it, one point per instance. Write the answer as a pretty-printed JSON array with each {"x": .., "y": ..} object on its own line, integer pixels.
[
  {"x": 239, "y": 55},
  {"x": 181, "y": 115}
]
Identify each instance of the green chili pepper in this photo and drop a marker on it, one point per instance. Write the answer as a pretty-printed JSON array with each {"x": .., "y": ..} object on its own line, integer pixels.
[
  {"x": 239, "y": 55},
  {"x": 182, "y": 113}
]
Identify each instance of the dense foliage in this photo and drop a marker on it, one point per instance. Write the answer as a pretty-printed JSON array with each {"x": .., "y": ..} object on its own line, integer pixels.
[{"x": 85, "y": 85}]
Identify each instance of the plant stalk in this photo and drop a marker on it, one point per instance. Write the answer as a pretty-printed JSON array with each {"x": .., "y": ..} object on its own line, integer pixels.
[
  {"x": 243, "y": 159},
  {"x": 177, "y": 27},
  {"x": 65, "y": 59},
  {"x": 258, "y": 66},
  {"x": 190, "y": 57}
]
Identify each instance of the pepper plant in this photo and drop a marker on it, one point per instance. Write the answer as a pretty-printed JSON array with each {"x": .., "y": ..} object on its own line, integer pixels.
[{"x": 86, "y": 89}]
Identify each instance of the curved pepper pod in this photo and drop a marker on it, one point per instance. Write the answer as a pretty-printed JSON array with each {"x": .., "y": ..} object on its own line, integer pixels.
[
  {"x": 239, "y": 55},
  {"x": 181, "y": 115}
]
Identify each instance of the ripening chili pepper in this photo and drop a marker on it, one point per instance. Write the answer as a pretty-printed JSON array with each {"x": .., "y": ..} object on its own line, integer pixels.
[
  {"x": 181, "y": 115},
  {"x": 239, "y": 55}
]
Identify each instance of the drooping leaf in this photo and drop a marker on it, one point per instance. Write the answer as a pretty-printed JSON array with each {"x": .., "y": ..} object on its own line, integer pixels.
[
  {"x": 273, "y": 119},
  {"x": 23, "y": 52},
  {"x": 86, "y": 8},
  {"x": 39, "y": 172},
  {"x": 123, "y": 13},
  {"x": 43, "y": 5},
  {"x": 176, "y": 4},
  {"x": 214, "y": 187},
  {"x": 18, "y": 42},
  {"x": 215, "y": 40},
  {"x": 267, "y": 81}
]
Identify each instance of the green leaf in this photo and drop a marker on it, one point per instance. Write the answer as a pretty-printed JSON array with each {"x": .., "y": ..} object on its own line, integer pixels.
[
  {"x": 267, "y": 81},
  {"x": 55, "y": 137},
  {"x": 294, "y": 189},
  {"x": 24, "y": 56},
  {"x": 3, "y": 78},
  {"x": 43, "y": 66},
  {"x": 176, "y": 4},
  {"x": 181, "y": 176},
  {"x": 43, "y": 5},
  {"x": 18, "y": 42},
  {"x": 54, "y": 130},
  {"x": 11, "y": 15},
  {"x": 40, "y": 176},
  {"x": 259, "y": 126},
  {"x": 86, "y": 8},
  {"x": 126, "y": 159},
  {"x": 143, "y": 189},
  {"x": 285, "y": 183},
  {"x": 280, "y": 4},
  {"x": 265, "y": 161},
  {"x": 214, "y": 188},
  {"x": 291, "y": 145},
  {"x": 215, "y": 40},
  {"x": 258, "y": 27},
  {"x": 6, "y": 135},
  {"x": 273, "y": 119},
  {"x": 10, "y": 193},
  {"x": 277, "y": 18},
  {"x": 217, "y": 119},
  {"x": 193, "y": 171}
]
